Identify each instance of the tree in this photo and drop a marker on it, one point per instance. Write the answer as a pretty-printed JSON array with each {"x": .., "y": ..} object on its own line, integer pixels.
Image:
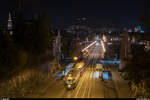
[
  {"x": 43, "y": 35},
  {"x": 125, "y": 49},
  {"x": 34, "y": 40},
  {"x": 137, "y": 68},
  {"x": 8, "y": 52},
  {"x": 35, "y": 36},
  {"x": 68, "y": 45}
]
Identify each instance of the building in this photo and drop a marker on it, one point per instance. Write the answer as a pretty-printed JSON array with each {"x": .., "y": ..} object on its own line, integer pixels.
[{"x": 10, "y": 25}]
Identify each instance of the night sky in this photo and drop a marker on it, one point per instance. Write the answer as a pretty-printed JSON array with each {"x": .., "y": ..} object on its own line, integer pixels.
[{"x": 114, "y": 13}]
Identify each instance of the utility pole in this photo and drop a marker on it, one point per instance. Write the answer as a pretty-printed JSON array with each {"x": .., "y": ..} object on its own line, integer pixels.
[
  {"x": 125, "y": 49},
  {"x": 57, "y": 48}
]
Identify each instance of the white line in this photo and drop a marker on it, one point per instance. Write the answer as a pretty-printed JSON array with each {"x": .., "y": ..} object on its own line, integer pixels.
[
  {"x": 81, "y": 84},
  {"x": 86, "y": 85},
  {"x": 90, "y": 86}
]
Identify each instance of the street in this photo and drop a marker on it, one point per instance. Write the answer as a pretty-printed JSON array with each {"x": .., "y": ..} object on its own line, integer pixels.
[
  {"x": 75, "y": 49},
  {"x": 90, "y": 85}
]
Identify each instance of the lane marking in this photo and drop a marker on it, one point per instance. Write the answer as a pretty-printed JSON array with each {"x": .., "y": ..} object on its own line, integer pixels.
[
  {"x": 74, "y": 91},
  {"x": 81, "y": 84},
  {"x": 85, "y": 87},
  {"x": 91, "y": 79}
]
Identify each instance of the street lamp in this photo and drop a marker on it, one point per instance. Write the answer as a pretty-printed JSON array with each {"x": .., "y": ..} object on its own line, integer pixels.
[{"x": 75, "y": 58}]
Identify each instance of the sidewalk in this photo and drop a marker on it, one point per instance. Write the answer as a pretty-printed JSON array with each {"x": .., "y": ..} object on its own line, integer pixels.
[{"x": 121, "y": 85}]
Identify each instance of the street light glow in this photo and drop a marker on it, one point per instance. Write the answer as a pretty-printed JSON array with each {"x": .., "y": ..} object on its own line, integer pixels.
[{"x": 75, "y": 58}]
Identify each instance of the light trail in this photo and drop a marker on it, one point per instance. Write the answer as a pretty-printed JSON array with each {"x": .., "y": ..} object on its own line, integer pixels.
[
  {"x": 89, "y": 46},
  {"x": 103, "y": 46}
]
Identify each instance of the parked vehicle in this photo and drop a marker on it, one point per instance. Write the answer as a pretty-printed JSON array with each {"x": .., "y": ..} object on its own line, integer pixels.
[{"x": 106, "y": 75}]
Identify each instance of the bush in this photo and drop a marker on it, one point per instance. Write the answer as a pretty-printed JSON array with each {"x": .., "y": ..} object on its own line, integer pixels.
[
  {"x": 24, "y": 84},
  {"x": 8, "y": 52},
  {"x": 22, "y": 57}
]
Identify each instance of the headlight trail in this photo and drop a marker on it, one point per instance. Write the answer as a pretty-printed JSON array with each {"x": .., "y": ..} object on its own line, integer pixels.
[
  {"x": 89, "y": 46},
  {"x": 103, "y": 46}
]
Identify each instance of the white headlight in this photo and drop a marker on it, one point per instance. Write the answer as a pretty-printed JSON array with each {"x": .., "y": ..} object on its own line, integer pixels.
[{"x": 69, "y": 86}]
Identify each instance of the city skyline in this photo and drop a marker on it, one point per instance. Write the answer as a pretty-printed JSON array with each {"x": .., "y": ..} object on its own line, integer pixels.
[{"x": 65, "y": 13}]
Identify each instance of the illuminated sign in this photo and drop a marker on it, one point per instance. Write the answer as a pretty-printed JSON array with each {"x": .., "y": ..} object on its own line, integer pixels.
[{"x": 142, "y": 31}]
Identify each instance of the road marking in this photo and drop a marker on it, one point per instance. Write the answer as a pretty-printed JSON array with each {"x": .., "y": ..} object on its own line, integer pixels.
[
  {"x": 80, "y": 85},
  {"x": 91, "y": 79},
  {"x": 90, "y": 86},
  {"x": 91, "y": 73},
  {"x": 86, "y": 88},
  {"x": 71, "y": 94}
]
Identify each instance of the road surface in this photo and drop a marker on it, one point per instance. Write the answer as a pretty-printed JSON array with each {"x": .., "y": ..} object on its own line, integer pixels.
[{"x": 89, "y": 86}]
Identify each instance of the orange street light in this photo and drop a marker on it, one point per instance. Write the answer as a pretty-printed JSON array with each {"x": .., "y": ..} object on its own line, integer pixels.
[{"x": 75, "y": 58}]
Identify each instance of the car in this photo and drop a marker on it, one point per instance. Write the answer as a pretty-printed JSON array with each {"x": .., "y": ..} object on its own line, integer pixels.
[{"x": 106, "y": 75}]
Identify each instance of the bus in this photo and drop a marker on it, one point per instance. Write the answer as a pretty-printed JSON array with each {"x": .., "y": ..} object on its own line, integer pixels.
[{"x": 72, "y": 79}]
